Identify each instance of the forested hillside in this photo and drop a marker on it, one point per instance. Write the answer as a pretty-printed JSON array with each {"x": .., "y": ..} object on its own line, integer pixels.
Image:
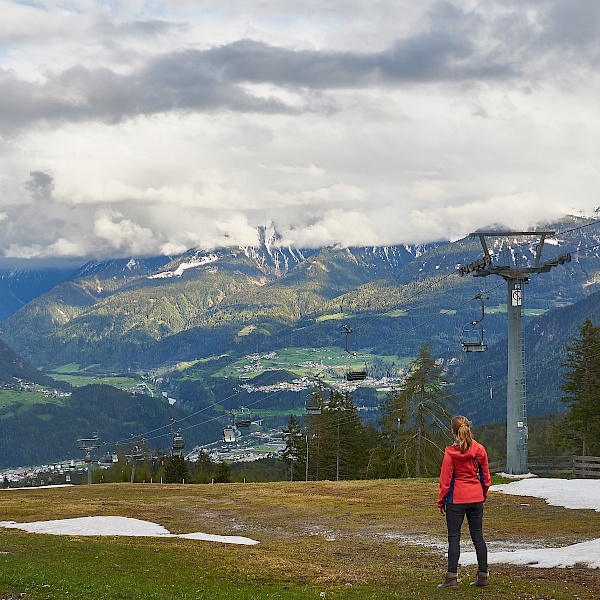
[
  {"x": 38, "y": 433},
  {"x": 14, "y": 371}
]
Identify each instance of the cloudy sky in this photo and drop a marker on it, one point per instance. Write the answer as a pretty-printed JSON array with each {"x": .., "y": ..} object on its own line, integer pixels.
[{"x": 134, "y": 127}]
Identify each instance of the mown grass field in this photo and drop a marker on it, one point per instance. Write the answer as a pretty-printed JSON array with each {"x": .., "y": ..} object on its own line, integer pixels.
[{"x": 354, "y": 540}]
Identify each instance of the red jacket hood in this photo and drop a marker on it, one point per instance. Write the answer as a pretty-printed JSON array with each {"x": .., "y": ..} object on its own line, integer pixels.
[{"x": 469, "y": 454}]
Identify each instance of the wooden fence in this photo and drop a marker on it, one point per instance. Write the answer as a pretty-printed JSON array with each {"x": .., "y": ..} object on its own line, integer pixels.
[{"x": 568, "y": 467}]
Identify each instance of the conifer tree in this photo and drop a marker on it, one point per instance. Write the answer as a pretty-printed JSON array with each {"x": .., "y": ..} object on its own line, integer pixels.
[
  {"x": 223, "y": 473},
  {"x": 582, "y": 390},
  {"x": 175, "y": 469},
  {"x": 313, "y": 426},
  {"x": 292, "y": 436},
  {"x": 338, "y": 441},
  {"x": 387, "y": 456},
  {"x": 415, "y": 421}
]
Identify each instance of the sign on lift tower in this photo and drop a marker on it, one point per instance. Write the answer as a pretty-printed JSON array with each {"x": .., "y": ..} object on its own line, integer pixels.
[{"x": 511, "y": 267}]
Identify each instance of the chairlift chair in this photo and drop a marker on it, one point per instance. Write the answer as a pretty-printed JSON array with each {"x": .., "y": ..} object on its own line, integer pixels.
[
  {"x": 354, "y": 373},
  {"x": 243, "y": 419},
  {"x": 177, "y": 445},
  {"x": 106, "y": 460},
  {"x": 229, "y": 434},
  {"x": 313, "y": 406},
  {"x": 472, "y": 336},
  {"x": 137, "y": 453}
]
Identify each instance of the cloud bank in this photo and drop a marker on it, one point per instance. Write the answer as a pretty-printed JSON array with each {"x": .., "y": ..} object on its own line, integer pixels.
[{"x": 152, "y": 127}]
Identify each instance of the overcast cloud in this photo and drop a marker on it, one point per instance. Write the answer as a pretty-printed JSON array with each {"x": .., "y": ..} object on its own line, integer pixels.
[{"x": 138, "y": 127}]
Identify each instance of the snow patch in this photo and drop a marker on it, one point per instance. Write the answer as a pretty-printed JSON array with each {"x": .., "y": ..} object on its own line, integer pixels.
[
  {"x": 178, "y": 272},
  {"x": 569, "y": 493},
  {"x": 117, "y": 526},
  {"x": 583, "y": 553}
]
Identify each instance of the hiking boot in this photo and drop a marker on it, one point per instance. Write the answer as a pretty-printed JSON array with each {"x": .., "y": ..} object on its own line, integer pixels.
[
  {"x": 481, "y": 580},
  {"x": 450, "y": 581}
]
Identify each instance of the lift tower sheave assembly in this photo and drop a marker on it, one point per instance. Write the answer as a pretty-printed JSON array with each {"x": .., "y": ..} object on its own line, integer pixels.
[{"x": 511, "y": 267}]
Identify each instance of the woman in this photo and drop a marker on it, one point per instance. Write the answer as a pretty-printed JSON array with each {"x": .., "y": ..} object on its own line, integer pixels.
[{"x": 464, "y": 482}]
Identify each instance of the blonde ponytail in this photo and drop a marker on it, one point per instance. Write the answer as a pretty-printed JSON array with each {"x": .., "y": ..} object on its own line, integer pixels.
[{"x": 461, "y": 428}]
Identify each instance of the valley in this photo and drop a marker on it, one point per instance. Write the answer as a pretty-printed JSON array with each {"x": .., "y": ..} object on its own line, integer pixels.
[{"x": 183, "y": 333}]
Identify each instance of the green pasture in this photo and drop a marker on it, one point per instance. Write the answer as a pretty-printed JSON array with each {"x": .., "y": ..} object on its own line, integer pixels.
[
  {"x": 396, "y": 313},
  {"x": 272, "y": 413},
  {"x": 70, "y": 368},
  {"x": 189, "y": 364},
  {"x": 333, "y": 317},
  {"x": 246, "y": 330},
  {"x": 305, "y": 362},
  {"x": 502, "y": 309},
  {"x": 76, "y": 376},
  {"x": 118, "y": 381},
  {"x": 13, "y": 402},
  {"x": 342, "y": 315},
  {"x": 351, "y": 540}
]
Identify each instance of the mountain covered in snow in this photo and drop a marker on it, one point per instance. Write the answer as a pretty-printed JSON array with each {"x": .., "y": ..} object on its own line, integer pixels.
[{"x": 111, "y": 311}]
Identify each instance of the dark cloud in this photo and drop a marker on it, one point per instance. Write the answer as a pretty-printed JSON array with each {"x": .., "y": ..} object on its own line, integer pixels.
[
  {"x": 40, "y": 185},
  {"x": 150, "y": 28},
  {"x": 452, "y": 45},
  {"x": 574, "y": 26},
  {"x": 213, "y": 80},
  {"x": 432, "y": 57},
  {"x": 180, "y": 81}
]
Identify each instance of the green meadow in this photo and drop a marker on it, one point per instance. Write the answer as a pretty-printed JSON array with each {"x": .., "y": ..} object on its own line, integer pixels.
[{"x": 343, "y": 540}]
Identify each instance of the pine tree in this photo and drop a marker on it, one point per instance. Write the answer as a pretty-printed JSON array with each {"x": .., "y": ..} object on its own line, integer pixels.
[
  {"x": 415, "y": 420},
  {"x": 202, "y": 470},
  {"x": 223, "y": 473},
  {"x": 293, "y": 435},
  {"x": 175, "y": 469},
  {"x": 338, "y": 441},
  {"x": 313, "y": 426},
  {"x": 582, "y": 390},
  {"x": 387, "y": 456}
]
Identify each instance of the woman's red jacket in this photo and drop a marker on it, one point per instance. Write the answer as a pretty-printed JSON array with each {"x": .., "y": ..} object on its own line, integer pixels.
[{"x": 461, "y": 482}]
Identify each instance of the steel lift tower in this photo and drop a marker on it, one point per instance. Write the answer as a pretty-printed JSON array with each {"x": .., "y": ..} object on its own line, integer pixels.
[
  {"x": 89, "y": 445},
  {"x": 510, "y": 266}
]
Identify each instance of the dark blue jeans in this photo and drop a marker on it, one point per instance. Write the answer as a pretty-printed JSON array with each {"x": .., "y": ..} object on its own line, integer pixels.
[{"x": 455, "y": 515}]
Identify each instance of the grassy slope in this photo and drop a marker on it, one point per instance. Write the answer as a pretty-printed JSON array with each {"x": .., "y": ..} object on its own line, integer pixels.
[{"x": 347, "y": 539}]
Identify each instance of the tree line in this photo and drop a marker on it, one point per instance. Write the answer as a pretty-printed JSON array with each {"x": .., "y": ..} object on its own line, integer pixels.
[{"x": 331, "y": 441}]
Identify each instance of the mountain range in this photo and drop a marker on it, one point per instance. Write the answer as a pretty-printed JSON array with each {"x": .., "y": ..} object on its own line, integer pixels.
[{"x": 211, "y": 308}]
